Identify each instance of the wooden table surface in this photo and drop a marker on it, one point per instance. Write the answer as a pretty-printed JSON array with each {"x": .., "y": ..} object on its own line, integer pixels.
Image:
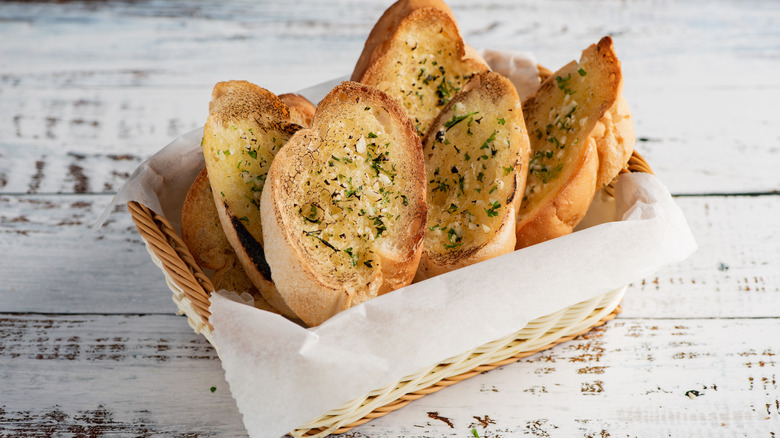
[{"x": 89, "y": 341}]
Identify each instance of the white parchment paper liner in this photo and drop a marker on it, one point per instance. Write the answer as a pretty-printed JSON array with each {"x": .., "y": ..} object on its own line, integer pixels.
[{"x": 282, "y": 375}]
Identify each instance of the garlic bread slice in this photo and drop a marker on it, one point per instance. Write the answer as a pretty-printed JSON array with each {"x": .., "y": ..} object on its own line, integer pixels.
[
  {"x": 201, "y": 229},
  {"x": 415, "y": 53},
  {"x": 246, "y": 127},
  {"x": 581, "y": 136},
  {"x": 343, "y": 208},
  {"x": 476, "y": 156}
]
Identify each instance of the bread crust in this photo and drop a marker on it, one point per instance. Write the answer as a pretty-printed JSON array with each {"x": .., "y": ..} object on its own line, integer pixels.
[
  {"x": 614, "y": 132},
  {"x": 493, "y": 97},
  {"x": 605, "y": 138},
  {"x": 558, "y": 215},
  {"x": 241, "y": 117},
  {"x": 201, "y": 229},
  {"x": 313, "y": 287},
  {"x": 388, "y": 48},
  {"x": 301, "y": 109},
  {"x": 379, "y": 38}
]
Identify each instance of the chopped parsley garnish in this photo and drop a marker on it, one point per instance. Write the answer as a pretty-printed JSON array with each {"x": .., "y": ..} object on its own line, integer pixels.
[
  {"x": 547, "y": 174},
  {"x": 563, "y": 83},
  {"x": 379, "y": 225},
  {"x": 457, "y": 119},
  {"x": 454, "y": 238},
  {"x": 582, "y": 72},
  {"x": 493, "y": 210},
  {"x": 252, "y": 153},
  {"x": 352, "y": 257},
  {"x": 489, "y": 141},
  {"x": 371, "y": 135},
  {"x": 444, "y": 91}
]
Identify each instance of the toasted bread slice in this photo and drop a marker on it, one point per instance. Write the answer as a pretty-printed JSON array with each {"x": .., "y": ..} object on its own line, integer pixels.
[
  {"x": 581, "y": 136},
  {"x": 246, "y": 127},
  {"x": 415, "y": 53},
  {"x": 201, "y": 229},
  {"x": 232, "y": 277},
  {"x": 301, "y": 109},
  {"x": 476, "y": 157},
  {"x": 343, "y": 208}
]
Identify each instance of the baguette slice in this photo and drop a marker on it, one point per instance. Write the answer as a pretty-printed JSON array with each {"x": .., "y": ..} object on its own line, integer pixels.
[
  {"x": 415, "y": 53},
  {"x": 344, "y": 209},
  {"x": 246, "y": 127},
  {"x": 476, "y": 156},
  {"x": 581, "y": 136},
  {"x": 201, "y": 229}
]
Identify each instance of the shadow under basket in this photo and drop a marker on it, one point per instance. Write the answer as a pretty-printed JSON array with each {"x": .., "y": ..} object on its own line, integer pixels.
[{"x": 192, "y": 288}]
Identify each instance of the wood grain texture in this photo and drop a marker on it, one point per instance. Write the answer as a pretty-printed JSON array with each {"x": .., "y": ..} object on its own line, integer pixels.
[
  {"x": 111, "y": 375},
  {"x": 151, "y": 375},
  {"x": 56, "y": 263}
]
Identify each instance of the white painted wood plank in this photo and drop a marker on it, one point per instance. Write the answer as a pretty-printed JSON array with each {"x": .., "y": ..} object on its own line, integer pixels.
[
  {"x": 76, "y": 141},
  {"x": 736, "y": 268},
  {"x": 52, "y": 262},
  {"x": 630, "y": 378},
  {"x": 108, "y": 376},
  {"x": 735, "y": 272}
]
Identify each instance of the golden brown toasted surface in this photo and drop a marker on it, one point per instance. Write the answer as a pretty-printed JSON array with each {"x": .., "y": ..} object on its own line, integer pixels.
[
  {"x": 301, "y": 109},
  {"x": 415, "y": 53},
  {"x": 577, "y": 140},
  {"x": 200, "y": 228},
  {"x": 476, "y": 156},
  {"x": 386, "y": 26},
  {"x": 246, "y": 127},
  {"x": 344, "y": 210}
]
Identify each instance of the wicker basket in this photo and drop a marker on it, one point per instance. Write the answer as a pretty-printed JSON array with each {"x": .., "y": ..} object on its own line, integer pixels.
[{"x": 192, "y": 288}]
